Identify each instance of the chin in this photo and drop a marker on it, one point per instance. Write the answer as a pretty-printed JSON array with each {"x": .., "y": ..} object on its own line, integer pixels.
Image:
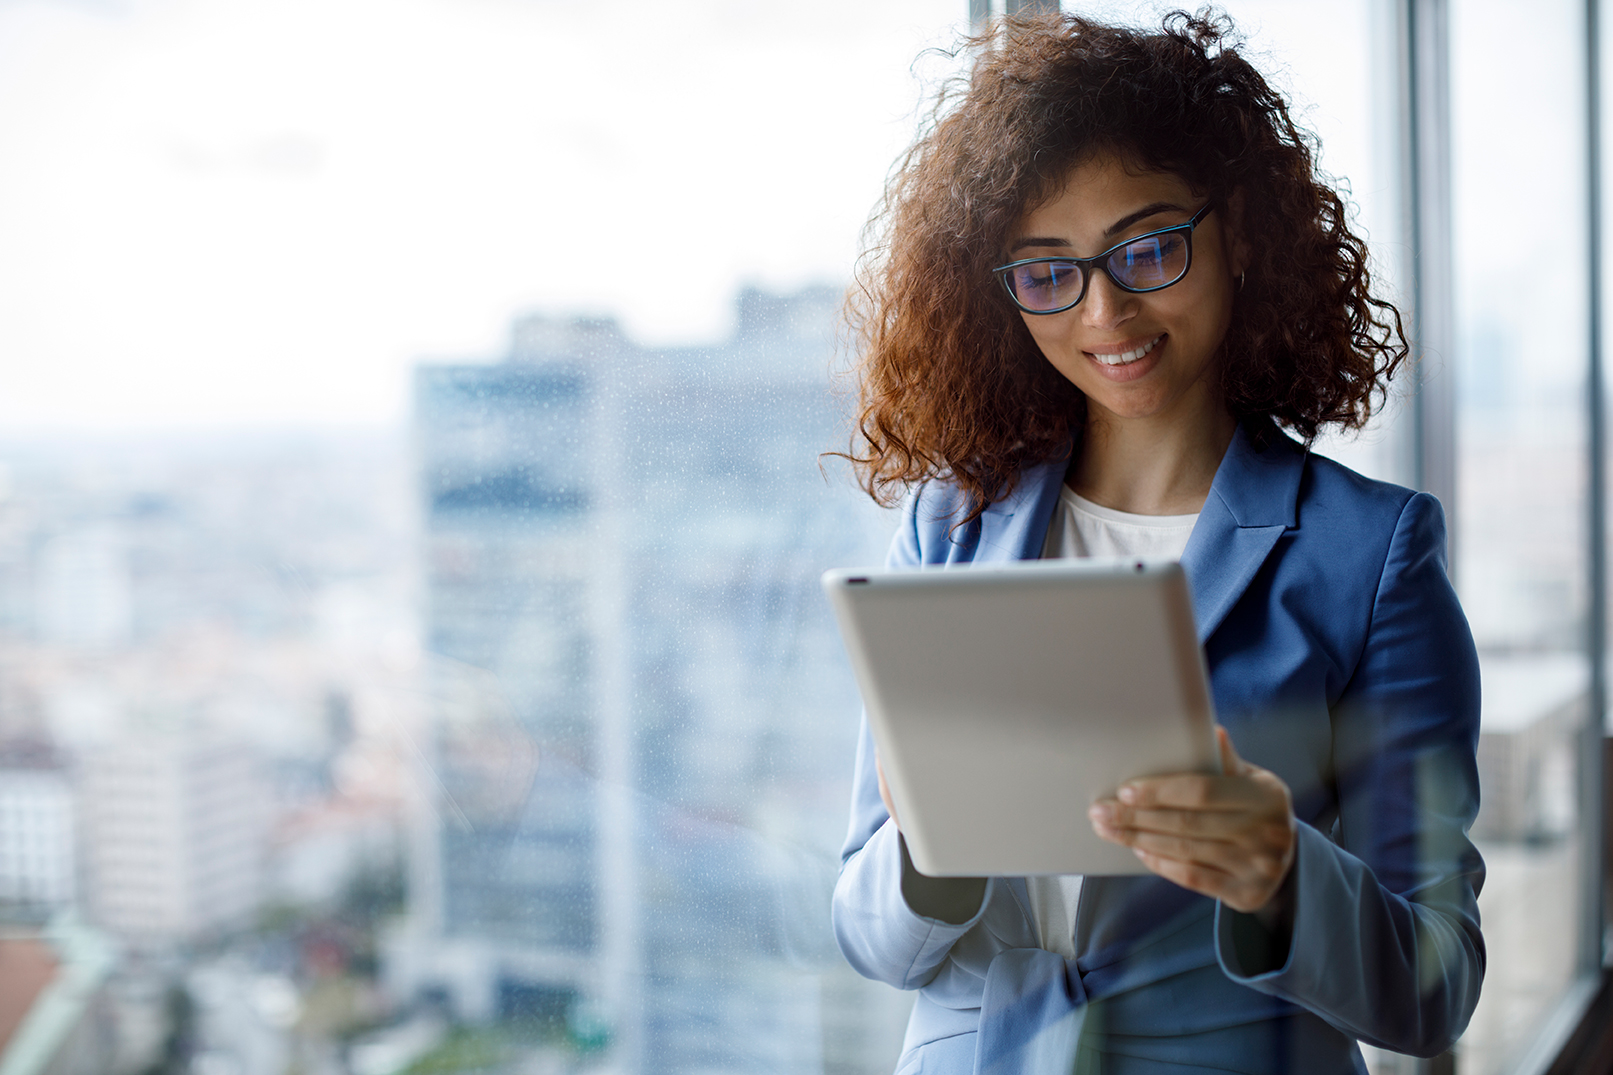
[{"x": 1126, "y": 407}]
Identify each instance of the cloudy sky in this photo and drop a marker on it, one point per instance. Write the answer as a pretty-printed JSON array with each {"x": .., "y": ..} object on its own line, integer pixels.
[{"x": 244, "y": 211}]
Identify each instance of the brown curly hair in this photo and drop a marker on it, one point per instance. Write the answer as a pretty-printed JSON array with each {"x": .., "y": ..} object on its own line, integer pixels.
[{"x": 951, "y": 384}]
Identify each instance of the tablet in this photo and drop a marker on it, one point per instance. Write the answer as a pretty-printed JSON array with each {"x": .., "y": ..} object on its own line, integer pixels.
[{"x": 1005, "y": 699}]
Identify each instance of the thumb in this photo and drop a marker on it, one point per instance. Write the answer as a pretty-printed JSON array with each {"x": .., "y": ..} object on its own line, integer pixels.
[{"x": 1231, "y": 764}]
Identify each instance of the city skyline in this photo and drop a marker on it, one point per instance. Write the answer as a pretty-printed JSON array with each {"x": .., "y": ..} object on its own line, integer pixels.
[
  {"x": 577, "y": 776},
  {"x": 234, "y": 233}
]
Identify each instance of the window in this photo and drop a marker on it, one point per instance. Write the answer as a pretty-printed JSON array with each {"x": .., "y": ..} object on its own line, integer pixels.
[{"x": 411, "y": 507}]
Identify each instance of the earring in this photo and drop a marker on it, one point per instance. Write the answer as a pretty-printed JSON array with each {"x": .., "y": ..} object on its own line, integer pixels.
[{"x": 1240, "y": 280}]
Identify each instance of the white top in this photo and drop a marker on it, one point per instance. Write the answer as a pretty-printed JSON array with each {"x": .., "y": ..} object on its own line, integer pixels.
[{"x": 1081, "y": 528}]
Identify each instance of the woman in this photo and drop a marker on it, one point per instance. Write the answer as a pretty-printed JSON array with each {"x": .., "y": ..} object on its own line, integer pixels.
[{"x": 1110, "y": 280}]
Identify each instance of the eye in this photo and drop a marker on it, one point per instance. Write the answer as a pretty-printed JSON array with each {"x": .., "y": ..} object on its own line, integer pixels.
[
  {"x": 1146, "y": 253},
  {"x": 1151, "y": 261},
  {"x": 1046, "y": 276}
]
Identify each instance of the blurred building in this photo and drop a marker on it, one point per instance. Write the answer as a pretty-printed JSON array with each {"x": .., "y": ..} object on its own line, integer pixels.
[
  {"x": 82, "y": 587},
  {"x": 506, "y": 887},
  {"x": 1534, "y": 705},
  {"x": 175, "y": 831},
  {"x": 55, "y": 1018},
  {"x": 743, "y": 711},
  {"x": 316, "y": 852},
  {"x": 637, "y": 780},
  {"x": 37, "y": 830}
]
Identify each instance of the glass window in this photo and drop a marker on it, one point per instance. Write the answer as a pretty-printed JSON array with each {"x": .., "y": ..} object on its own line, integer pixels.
[
  {"x": 411, "y": 515},
  {"x": 1519, "y": 525},
  {"x": 412, "y": 506}
]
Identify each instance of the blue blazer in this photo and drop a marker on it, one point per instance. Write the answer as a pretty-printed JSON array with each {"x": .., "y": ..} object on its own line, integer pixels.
[{"x": 1340, "y": 660}]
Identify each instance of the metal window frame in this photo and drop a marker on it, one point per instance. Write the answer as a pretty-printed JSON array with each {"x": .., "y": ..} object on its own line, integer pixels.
[
  {"x": 1426, "y": 148},
  {"x": 1593, "y": 801},
  {"x": 1424, "y": 29},
  {"x": 982, "y": 11}
]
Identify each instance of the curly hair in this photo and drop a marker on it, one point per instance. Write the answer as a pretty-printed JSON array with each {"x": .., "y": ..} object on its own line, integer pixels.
[{"x": 950, "y": 383}]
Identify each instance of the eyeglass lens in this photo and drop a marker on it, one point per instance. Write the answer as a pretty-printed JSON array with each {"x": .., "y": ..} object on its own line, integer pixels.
[{"x": 1151, "y": 262}]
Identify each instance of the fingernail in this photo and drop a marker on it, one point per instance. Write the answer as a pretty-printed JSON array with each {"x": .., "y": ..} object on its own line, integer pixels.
[
  {"x": 1128, "y": 794},
  {"x": 1100, "y": 812}
]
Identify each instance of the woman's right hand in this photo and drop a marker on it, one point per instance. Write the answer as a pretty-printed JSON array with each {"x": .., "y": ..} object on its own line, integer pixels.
[{"x": 885, "y": 792}]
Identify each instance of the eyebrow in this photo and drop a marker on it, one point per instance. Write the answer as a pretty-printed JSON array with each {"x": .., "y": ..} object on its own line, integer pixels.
[{"x": 1108, "y": 233}]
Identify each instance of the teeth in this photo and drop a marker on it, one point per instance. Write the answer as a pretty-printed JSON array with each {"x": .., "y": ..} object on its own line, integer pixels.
[{"x": 1125, "y": 357}]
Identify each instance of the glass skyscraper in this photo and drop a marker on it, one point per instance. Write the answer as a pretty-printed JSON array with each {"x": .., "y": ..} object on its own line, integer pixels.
[{"x": 641, "y": 712}]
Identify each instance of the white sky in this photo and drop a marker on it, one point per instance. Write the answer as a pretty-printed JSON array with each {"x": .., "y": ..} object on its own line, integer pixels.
[{"x": 264, "y": 211}]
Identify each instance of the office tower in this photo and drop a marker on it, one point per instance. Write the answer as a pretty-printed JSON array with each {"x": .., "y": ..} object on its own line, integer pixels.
[
  {"x": 175, "y": 827},
  {"x": 743, "y": 709},
  {"x": 505, "y": 880},
  {"x": 82, "y": 588},
  {"x": 644, "y": 721},
  {"x": 37, "y": 831}
]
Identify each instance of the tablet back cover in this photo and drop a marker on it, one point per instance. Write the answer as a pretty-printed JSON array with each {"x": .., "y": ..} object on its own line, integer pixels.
[{"x": 1005, "y": 699}]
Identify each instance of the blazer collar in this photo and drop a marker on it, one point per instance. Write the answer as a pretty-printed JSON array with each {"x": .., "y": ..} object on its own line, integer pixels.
[
  {"x": 1260, "y": 487},
  {"x": 1253, "y": 500},
  {"x": 1015, "y": 527}
]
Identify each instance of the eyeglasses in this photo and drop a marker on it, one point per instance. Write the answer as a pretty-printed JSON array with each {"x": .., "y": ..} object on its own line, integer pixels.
[{"x": 1146, "y": 263}]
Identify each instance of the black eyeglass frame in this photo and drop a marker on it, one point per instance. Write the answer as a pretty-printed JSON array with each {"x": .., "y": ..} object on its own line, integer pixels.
[{"x": 1087, "y": 265}]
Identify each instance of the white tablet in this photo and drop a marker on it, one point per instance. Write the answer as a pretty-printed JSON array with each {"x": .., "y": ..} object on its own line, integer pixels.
[{"x": 1006, "y": 699}]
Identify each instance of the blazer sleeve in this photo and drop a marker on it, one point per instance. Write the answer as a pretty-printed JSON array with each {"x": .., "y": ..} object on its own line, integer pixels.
[
  {"x": 881, "y": 936},
  {"x": 1386, "y": 943}
]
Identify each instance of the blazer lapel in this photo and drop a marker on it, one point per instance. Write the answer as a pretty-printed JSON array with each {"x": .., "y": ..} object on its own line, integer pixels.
[
  {"x": 1251, "y": 503},
  {"x": 1015, "y": 528}
]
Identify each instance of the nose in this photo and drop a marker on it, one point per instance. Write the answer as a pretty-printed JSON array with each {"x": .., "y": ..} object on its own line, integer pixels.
[{"x": 1106, "y": 307}]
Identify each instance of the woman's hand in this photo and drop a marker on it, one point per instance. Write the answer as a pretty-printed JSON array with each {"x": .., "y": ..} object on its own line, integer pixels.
[
  {"x": 885, "y": 792},
  {"x": 1230, "y": 837}
]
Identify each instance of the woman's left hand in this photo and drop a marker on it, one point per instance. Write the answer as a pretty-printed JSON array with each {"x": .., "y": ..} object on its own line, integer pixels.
[{"x": 1229, "y": 837}]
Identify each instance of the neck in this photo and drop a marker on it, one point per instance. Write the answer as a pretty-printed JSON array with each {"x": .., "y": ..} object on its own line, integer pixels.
[{"x": 1158, "y": 465}]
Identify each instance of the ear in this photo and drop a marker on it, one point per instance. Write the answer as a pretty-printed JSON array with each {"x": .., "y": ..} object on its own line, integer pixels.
[{"x": 1239, "y": 252}]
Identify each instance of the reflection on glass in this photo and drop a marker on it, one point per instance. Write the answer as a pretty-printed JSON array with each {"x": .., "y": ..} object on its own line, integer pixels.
[
  {"x": 1518, "y": 534},
  {"x": 588, "y": 815},
  {"x": 518, "y": 741},
  {"x": 591, "y": 511},
  {"x": 468, "y": 717}
]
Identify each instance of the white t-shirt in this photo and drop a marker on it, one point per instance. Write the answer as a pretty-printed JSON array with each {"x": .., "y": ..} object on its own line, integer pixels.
[{"x": 1082, "y": 528}]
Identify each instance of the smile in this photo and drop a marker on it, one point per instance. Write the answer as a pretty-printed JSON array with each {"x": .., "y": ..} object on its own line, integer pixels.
[{"x": 1124, "y": 358}]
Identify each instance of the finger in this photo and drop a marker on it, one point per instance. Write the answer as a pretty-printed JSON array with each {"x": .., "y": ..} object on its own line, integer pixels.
[
  {"x": 1123, "y": 837},
  {"x": 1253, "y": 871},
  {"x": 1191, "y": 791},
  {"x": 1231, "y": 764},
  {"x": 1208, "y": 881},
  {"x": 1255, "y": 828},
  {"x": 1191, "y": 875},
  {"x": 1222, "y": 825},
  {"x": 1211, "y": 853},
  {"x": 1257, "y": 836},
  {"x": 1172, "y": 844}
]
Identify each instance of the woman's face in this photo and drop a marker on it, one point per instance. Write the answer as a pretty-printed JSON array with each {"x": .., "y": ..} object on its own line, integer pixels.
[{"x": 1135, "y": 356}]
